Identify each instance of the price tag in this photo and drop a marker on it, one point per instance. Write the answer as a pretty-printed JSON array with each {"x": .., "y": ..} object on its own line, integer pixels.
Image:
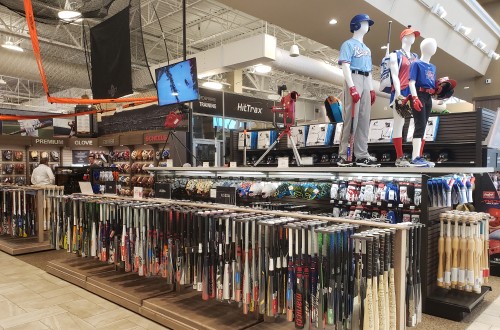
[
  {"x": 307, "y": 161},
  {"x": 170, "y": 163},
  {"x": 233, "y": 164},
  {"x": 138, "y": 192},
  {"x": 206, "y": 164},
  {"x": 282, "y": 162},
  {"x": 213, "y": 193}
]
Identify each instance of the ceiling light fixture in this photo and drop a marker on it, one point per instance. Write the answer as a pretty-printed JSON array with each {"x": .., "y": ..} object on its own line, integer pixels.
[
  {"x": 383, "y": 47},
  {"x": 2, "y": 82},
  {"x": 492, "y": 54},
  {"x": 261, "y": 68},
  {"x": 294, "y": 49},
  {"x": 439, "y": 10},
  {"x": 12, "y": 46},
  {"x": 212, "y": 84},
  {"x": 466, "y": 87},
  {"x": 479, "y": 44},
  {"x": 460, "y": 28},
  {"x": 333, "y": 21},
  {"x": 69, "y": 13}
]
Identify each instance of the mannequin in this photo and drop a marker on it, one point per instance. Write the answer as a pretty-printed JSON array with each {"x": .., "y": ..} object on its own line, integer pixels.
[
  {"x": 356, "y": 62},
  {"x": 422, "y": 87},
  {"x": 400, "y": 62}
]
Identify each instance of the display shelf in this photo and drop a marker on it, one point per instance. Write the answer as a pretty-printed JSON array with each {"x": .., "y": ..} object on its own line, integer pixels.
[
  {"x": 453, "y": 304},
  {"x": 19, "y": 245}
]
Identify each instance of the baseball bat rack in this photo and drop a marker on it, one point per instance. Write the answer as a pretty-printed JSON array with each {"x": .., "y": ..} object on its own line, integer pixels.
[{"x": 22, "y": 225}]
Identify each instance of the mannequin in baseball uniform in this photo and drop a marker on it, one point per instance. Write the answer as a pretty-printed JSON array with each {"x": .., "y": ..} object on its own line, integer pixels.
[
  {"x": 355, "y": 59},
  {"x": 400, "y": 62},
  {"x": 422, "y": 87}
]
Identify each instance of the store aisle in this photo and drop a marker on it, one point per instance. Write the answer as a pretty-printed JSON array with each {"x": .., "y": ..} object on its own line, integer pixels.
[
  {"x": 30, "y": 298},
  {"x": 489, "y": 319}
]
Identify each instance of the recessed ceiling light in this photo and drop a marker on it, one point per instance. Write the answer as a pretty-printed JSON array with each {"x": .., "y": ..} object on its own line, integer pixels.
[
  {"x": 212, "y": 84},
  {"x": 261, "y": 68},
  {"x": 69, "y": 13},
  {"x": 333, "y": 21},
  {"x": 383, "y": 47},
  {"x": 466, "y": 87}
]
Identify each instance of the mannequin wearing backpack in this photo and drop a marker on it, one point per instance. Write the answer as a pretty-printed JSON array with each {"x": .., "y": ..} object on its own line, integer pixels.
[{"x": 399, "y": 63}]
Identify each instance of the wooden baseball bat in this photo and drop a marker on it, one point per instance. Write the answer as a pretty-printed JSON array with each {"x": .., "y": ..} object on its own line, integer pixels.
[
  {"x": 486, "y": 250},
  {"x": 392, "y": 283},
  {"x": 471, "y": 246},
  {"x": 478, "y": 256},
  {"x": 447, "y": 252},
  {"x": 368, "y": 316},
  {"x": 440, "y": 278},
  {"x": 383, "y": 325},
  {"x": 454, "y": 252},
  {"x": 462, "y": 257}
]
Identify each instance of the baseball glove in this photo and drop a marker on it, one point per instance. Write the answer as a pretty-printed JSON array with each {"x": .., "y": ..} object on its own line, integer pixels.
[{"x": 402, "y": 106}]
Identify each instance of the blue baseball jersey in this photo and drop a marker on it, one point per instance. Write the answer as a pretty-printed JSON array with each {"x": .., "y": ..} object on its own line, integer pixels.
[
  {"x": 357, "y": 54},
  {"x": 424, "y": 74}
]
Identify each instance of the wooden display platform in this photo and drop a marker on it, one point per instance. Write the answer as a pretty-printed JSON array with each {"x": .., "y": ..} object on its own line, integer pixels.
[
  {"x": 151, "y": 297},
  {"x": 186, "y": 310},
  {"x": 20, "y": 245},
  {"x": 453, "y": 304},
  {"x": 127, "y": 289},
  {"x": 76, "y": 270}
]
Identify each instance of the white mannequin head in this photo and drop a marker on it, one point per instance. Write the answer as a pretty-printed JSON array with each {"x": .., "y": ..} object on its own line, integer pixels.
[
  {"x": 360, "y": 33},
  {"x": 428, "y": 47},
  {"x": 408, "y": 40}
]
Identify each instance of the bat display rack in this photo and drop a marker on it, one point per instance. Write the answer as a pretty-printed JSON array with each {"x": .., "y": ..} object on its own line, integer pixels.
[
  {"x": 184, "y": 308},
  {"x": 23, "y": 212}
]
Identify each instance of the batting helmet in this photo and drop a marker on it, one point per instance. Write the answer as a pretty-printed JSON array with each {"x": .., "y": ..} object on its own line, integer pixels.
[
  {"x": 445, "y": 88},
  {"x": 356, "y": 21}
]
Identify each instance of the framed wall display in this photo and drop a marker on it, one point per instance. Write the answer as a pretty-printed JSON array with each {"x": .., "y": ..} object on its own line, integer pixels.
[
  {"x": 431, "y": 129},
  {"x": 86, "y": 125},
  {"x": 380, "y": 130}
]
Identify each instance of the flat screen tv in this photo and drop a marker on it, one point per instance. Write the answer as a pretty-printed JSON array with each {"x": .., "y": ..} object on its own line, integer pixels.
[{"x": 177, "y": 83}]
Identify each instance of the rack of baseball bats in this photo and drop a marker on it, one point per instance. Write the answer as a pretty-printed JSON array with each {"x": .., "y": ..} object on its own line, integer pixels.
[
  {"x": 19, "y": 217},
  {"x": 314, "y": 271},
  {"x": 463, "y": 251}
]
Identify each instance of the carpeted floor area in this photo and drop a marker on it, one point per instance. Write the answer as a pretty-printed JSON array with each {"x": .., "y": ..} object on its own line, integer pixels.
[{"x": 429, "y": 322}]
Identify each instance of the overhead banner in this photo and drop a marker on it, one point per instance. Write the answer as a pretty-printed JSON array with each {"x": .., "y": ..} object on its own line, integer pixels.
[
  {"x": 210, "y": 102},
  {"x": 249, "y": 108},
  {"x": 29, "y": 127}
]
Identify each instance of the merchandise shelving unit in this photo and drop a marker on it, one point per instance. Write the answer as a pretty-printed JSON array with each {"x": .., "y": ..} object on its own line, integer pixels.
[
  {"x": 172, "y": 308},
  {"x": 22, "y": 245}
]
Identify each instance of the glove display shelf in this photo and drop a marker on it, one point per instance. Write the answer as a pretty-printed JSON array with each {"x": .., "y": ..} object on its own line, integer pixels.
[{"x": 23, "y": 220}]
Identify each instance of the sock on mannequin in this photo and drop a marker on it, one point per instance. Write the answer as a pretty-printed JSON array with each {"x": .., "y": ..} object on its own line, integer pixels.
[
  {"x": 422, "y": 148},
  {"x": 417, "y": 143},
  {"x": 398, "y": 145}
]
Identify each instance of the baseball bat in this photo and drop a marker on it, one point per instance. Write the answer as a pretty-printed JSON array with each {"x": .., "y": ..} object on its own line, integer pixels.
[
  {"x": 383, "y": 325},
  {"x": 262, "y": 269},
  {"x": 471, "y": 245},
  {"x": 447, "y": 252},
  {"x": 255, "y": 282},
  {"x": 375, "y": 281},
  {"x": 246, "y": 270},
  {"x": 314, "y": 277},
  {"x": 356, "y": 308},
  {"x": 392, "y": 285},
  {"x": 204, "y": 279},
  {"x": 486, "y": 250},
  {"x": 418, "y": 280},
  {"x": 454, "y": 263},
  {"x": 350, "y": 147},
  {"x": 462, "y": 257},
  {"x": 299, "y": 292},
  {"x": 306, "y": 275},
  {"x": 227, "y": 274},
  {"x": 410, "y": 290},
  {"x": 368, "y": 315},
  {"x": 478, "y": 257},
  {"x": 290, "y": 278},
  {"x": 440, "y": 277}
]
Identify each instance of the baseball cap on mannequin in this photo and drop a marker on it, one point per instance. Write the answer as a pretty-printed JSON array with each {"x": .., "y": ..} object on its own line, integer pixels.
[
  {"x": 356, "y": 21},
  {"x": 409, "y": 31}
]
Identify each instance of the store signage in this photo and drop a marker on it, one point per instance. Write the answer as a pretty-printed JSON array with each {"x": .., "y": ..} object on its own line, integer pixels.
[
  {"x": 80, "y": 157},
  {"x": 108, "y": 142},
  {"x": 225, "y": 195},
  {"x": 245, "y": 107},
  {"x": 53, "y": 142},
  {"x": 82, "y": 142},
  {"x": 163, "y": 190},
  {"x": 210, "y": 102},
  {"x": 153, "y": 138}
]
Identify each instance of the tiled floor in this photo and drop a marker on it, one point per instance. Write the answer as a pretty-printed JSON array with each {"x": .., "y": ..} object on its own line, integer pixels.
[
  {"x": 489, "y": 319},
  {"x": 32, "y": 299}
]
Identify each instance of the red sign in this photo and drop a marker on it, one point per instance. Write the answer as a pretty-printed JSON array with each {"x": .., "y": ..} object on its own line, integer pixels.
[
  {"x": 152, "y": 138},
  {"x": 489, "y": 194}
]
